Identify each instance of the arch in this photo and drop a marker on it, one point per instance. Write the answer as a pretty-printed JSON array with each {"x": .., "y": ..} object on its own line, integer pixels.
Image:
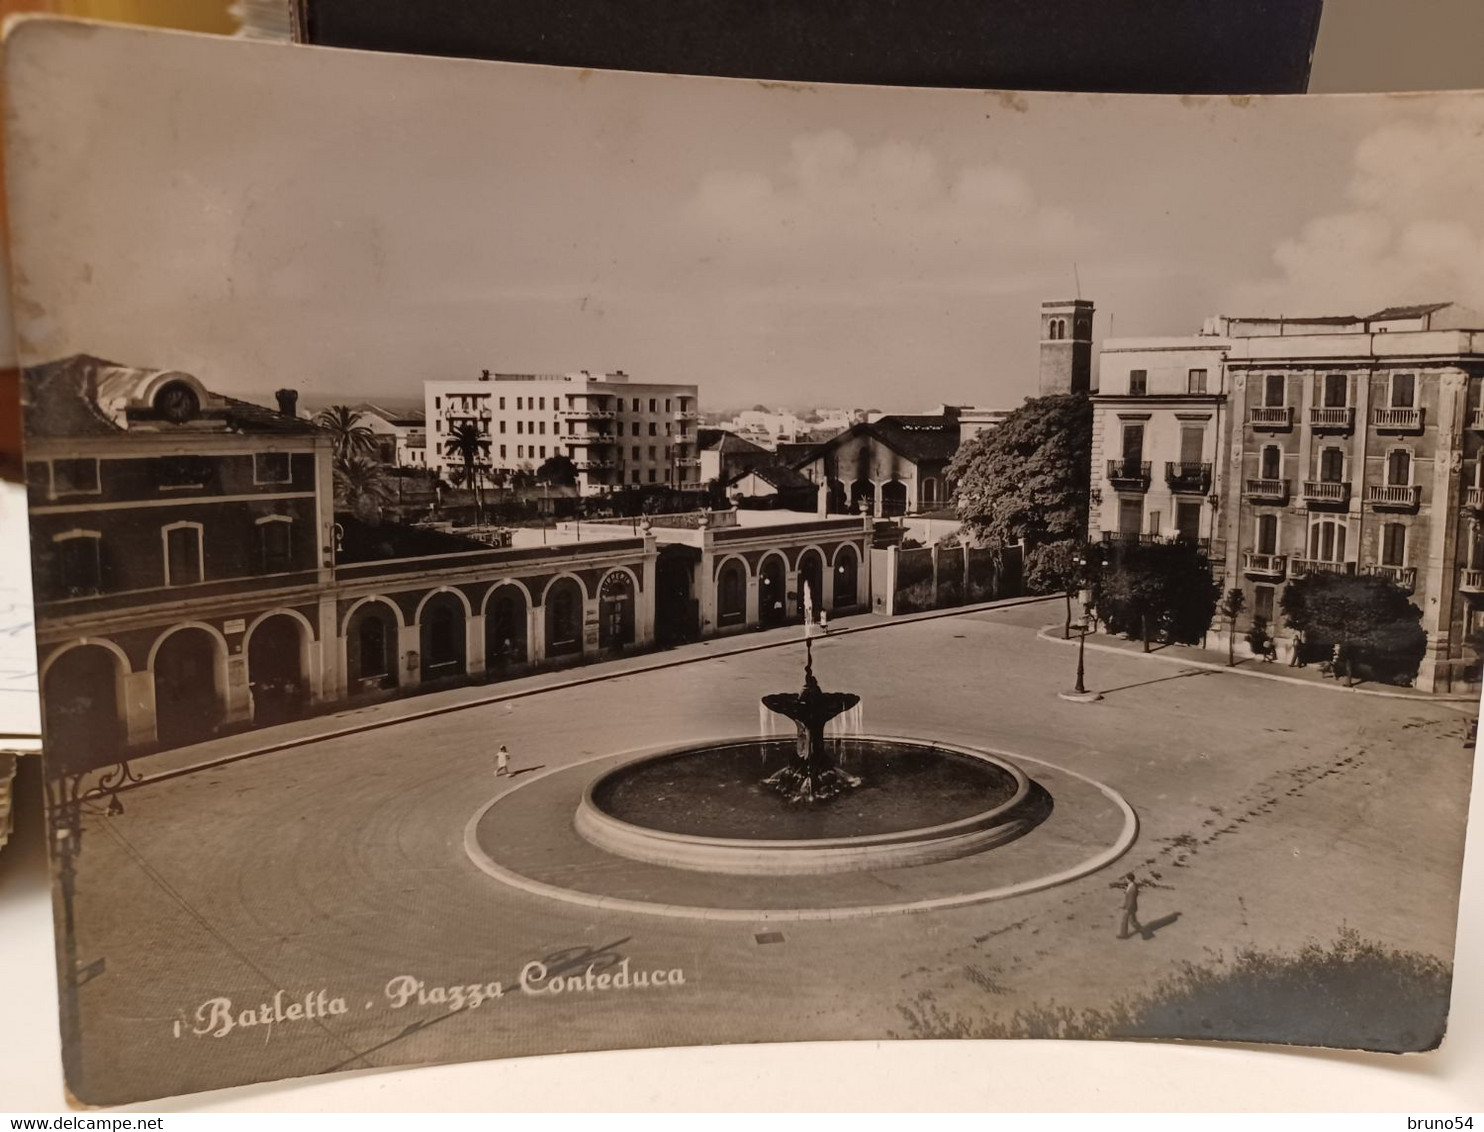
[
  {"x": 546, "y": 589},
  {"x": 811, "y": 574},
  {"x": 506, "y": 609},
  {"x": 893, "y": 498},
  {"x": 386, "y": 601},
  {"x": 277, "y": 648},
  {"x": 442, "y": 634},
  {"x": 484, "y": 603},
  {"x": 187, "y": 663},
  {"x": 617, "y": 596},
  {"x": 846, "y": 564},
  {"x": 731, "y": 592},
  {"x": 81, "y": 701},
  {"x": 676, "y": 611},
  {"x": 276, "y": 611},
  {"x": 563, "y": 600},
  {"x": 372, "y": 634},
  {"x": 772, "y": 589},
  {"x": 633, "y": 577},
  {"x": 739, "y": 560},
  {"x": 862, "y": 493},
  {"x": 417, "y": 616},
  {"x": 102, "y": 642},
  {"x": 929, "y": 490}
]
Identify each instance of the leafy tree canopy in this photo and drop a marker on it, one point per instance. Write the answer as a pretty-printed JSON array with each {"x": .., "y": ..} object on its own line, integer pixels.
[
  {"x": 558, "y": 471},
  {"x": 1029, "y": 478},
  {"x": 1160, "y": 589},
  {"x": 1368, "y": 616}
]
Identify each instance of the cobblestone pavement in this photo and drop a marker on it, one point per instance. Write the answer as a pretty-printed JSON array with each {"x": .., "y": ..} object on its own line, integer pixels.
[{"x": 1274, "y": 813}]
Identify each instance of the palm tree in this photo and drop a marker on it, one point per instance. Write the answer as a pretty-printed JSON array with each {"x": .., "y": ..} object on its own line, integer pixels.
[
  {"x": 351, "y": 437},
  {"x": 360, "y": 487},
  {"x": 469, "y": 444}
]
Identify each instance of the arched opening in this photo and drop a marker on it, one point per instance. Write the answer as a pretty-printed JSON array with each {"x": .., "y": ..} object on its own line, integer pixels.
[
  {"x": 929, "y": 491},
  {"x": 676, "y": 612},
  {"x": 564, "y": 618},
  {"x": 616, "y": 611},
  {"x": 188, "y": 698},
  {"x": 80, "y": 704},
  {"x": 811, "y": 579},
  {"x": 275, "y": 670},
  {"x": 847, "y": 568},
  {"x": 731, "y": 594},
  {"x": 371, "y": 648},
  {"x": 505, "y": 621},
  {"x": 862, "y": 497},
  {"x": 837, "y": 503},
  {"x": 441, "y": 637},
  {"x": 893, "y": 498},
  {"x": 772, "y": 591}
]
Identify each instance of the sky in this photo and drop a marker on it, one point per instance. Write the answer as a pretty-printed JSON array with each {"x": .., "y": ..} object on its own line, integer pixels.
[{"x": 352, "y": 224}]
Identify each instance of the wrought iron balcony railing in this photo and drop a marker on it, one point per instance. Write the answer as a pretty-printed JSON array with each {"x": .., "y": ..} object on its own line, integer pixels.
[
  {"x": 1129, "y": 475},
  {"x": 1184, "y": 477}
]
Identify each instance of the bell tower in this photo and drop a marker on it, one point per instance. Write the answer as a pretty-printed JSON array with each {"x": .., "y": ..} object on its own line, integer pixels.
[{"x": 1066, "y": 347}]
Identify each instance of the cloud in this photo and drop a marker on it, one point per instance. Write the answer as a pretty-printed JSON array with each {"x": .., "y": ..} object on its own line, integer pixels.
[
  {"x": 884, "y": 215},
  {"x": 1412, "y": 231}
]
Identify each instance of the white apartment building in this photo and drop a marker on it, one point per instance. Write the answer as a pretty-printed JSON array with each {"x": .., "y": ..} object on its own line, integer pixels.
[{"x": 616, "y": 431}]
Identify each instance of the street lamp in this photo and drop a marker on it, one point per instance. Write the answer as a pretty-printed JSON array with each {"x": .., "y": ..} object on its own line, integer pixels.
[
  {"x": 1079, "y": 693},
  {"x": 66, "y": 802}
]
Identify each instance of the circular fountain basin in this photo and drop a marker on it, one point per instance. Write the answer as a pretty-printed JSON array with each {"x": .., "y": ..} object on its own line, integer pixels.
[{"x": 704, "y": 808}]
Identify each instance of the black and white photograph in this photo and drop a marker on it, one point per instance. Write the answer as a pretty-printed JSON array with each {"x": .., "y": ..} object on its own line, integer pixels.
[{"x": 534, "y": 560}]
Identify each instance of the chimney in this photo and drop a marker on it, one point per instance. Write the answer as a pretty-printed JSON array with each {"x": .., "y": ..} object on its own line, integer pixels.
[{"x": 288, "y": 402}]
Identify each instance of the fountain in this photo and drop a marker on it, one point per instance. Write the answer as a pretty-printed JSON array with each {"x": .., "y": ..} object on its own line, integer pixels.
[{"x": 902, "y": 802}]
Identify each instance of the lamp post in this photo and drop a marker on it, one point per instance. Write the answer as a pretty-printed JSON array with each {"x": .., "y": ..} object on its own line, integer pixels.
[
  {"x": 1079, "y": 692},
  {"x": 66, "y": 802}
]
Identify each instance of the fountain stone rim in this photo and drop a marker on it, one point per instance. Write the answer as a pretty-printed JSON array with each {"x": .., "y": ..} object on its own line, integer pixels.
[{"x": 765, "y": 856}]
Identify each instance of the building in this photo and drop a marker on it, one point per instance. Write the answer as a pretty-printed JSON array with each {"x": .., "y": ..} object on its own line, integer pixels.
[
  {"x": 775, "y": 486},
  {"x": 1066, "y": 346},
  {"x": 1349, "y": 445},
  {"x": 725, "y": 455},
  {"x": 400, "y": 437},
  {"x": 894, "y": 465},
  {"x": 617, "y": 432}
]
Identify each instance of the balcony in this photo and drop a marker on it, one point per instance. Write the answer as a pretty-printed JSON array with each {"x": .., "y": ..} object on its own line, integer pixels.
[
  {"x": 1129, "y": 475},
  {"x": 1472, "y": 582},
  {"x": 583, "y": 464},
  {"x": 1397, "y": 420},
  {"x": 687, "y": 415},
  {"x": 1303, "y": 567},
  {"x": 1474, "y": 497},
  {"x": 1267, "y": 491},
  {"x": 1394, "y": 497},
  {"x": 590, "y": 439},
  {"x": 1271, "y": 418},
  {"x": 1476, "y": 420},
  {"x": 687, "y": 461},
  {"x": 1327, "y": 493},
  {"x": 1263, "y": 565},
  {"x": 1192, "y": 478},
  {"x": 1403, "y": 576},
  {"x": 590, "y": 414},
  {"x": 1332, "y": 420}
]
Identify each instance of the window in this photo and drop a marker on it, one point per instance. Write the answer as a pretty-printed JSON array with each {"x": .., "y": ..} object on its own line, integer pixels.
[
  {"x": 271, "y": 467},
  {"x": 502, "y": 403},
  {"x": 1274, "y": 390},
  {"x": 502, "y": 428},
  {"x": 520, "y": 451},
  {"x": 79, "y": 563},
  {"x": 1133, "y": 443},
  {"x": 653, "y": 451},
  {"x": 74, "y": 477},
  {"x": 182, "y": 554},
  {"x": 636, "y": 404},
  {"x": 502, "y": 447},
  {"x": 1138, "y": 382},
  {"x": 1394, "y": 544},
  {"x": 1192, "y": 445},
  {"x": 1272, "y": 463},
  {"x": 636, "y": 451},
  {"x": 667, "y": 404},
  {"x": 520, "y": 403},
  {"x": 437, "y": 402},
  {"x": 1130, "y": 516},
  {"x": 651, "y": 404},
  {"x": 541, "y": 428},
  {"x": 542, "y": 405},
  {"x": 634, "y": 429},
  {"x": 1336, "y": 390},
  {"x": 543, "y": 451},
  {"x": 1188, "y": 520},
  {"x": 275, "y": 544},
  {"x": 1399, "y": 467},
  {"x": 1332, "y": 465},
  {"x": 1262, "y": 602},
  {"x": 653, "y": 475},
  {"x": 1327, "y": 541},
  {"x": 520, "y": 428},
  {"x": 437, "y": 426},
  {"x": 667, "y": 428},
  {"x": 1403, "y": 390},
  {"x": 1196, "y": 381},
  {"x": 653, "y": 429},
  {"x": 634, "y": 476},
  {"x": 1267, "y": 534},
  {"x": 181, "y": 473}
]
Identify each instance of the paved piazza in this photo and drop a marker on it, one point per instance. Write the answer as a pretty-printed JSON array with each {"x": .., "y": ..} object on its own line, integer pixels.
[{"x": 337, "y": 871}]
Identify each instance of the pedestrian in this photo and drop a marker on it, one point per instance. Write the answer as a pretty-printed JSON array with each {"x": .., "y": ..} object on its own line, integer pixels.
[
  {"x": 1130, "y": 908},
  {"x": 1296, "y": 658},
  {"x": 502, "y": 762}
]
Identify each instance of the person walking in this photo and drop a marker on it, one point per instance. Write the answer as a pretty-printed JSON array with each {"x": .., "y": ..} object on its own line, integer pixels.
[
  {"x": 502, "y": 762},
  {"x": 1130, "y": 908}
]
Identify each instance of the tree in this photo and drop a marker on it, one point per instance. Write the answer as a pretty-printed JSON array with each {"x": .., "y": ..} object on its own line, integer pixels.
[
  {"x": 469, "y": 444},
  {"x": 1030, "y": 478},
  {"x": 1232, "y": 604},
  {"x": 1164, "y": 589},
  {"x": 557, "y": 471},
  {"x": 1056, "y": 567},
  {"x": 360, "y": 487},
  {"x": 351, "y": 437},
  {"x": 1361, "y": 619}
]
